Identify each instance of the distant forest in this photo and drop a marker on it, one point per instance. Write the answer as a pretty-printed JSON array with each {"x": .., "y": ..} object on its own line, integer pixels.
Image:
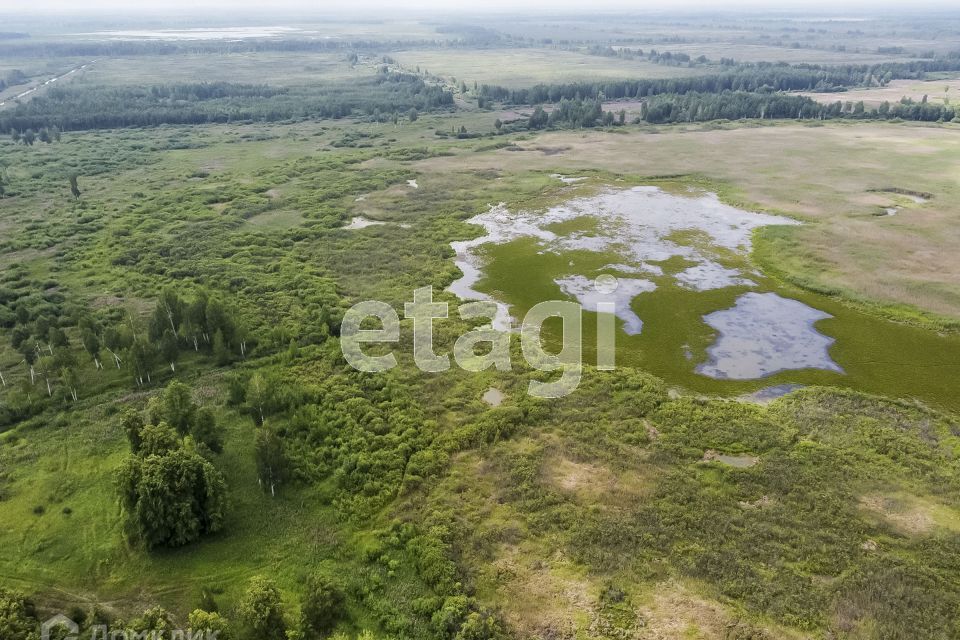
[
  {"x": 384, "y": 95},
  {"x": 754, "y": 77}
]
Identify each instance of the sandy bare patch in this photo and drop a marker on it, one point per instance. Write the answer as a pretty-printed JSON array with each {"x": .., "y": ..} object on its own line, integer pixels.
[
  {"x": 906, "y": 514},
  {"x": 741, "y": 462},
  {"x": 541, "y": 599},
  {"x": 675, "y": 611},
  {"x": 594, "y": 483},
  {"x": 573, "y": 476}
]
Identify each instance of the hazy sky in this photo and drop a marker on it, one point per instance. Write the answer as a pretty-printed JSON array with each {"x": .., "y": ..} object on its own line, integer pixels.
[{"x": 354, "y": 6}]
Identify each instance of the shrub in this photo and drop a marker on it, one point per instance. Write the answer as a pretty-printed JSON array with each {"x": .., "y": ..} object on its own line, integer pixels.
[{"x": 261, "y": 611}]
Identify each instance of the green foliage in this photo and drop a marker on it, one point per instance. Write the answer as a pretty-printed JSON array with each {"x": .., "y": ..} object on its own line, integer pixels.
[
  {"x": 171, "y": 499},
  {"x": 322, "y": 605},
  {"x": 131, "y": 421},
  {"x": 103, "y": 107},
  {"x": 926, "y": 607},
  {"x": 176, "y": 408},
  {"x": 154, "y": 622},
  {"x": 260, "y": 610},
  {"x": 209, "y": 623},
  {"x": 157, "y": 440},
  {"x": 207, "y": 431},
  {"x": 17, "y": 617}
]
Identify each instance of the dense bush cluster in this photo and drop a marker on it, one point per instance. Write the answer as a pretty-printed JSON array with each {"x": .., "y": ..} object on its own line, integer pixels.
[{"x": 172, "y": 495}]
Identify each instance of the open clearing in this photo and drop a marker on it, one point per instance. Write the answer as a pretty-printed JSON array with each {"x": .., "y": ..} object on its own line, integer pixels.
[
  {"x": 279, "y": 68},
  {"x": 527, "y": 67},
  {"x": 936, "y": 91}
]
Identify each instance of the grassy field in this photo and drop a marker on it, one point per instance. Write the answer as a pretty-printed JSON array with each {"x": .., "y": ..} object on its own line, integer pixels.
[
  {"x": 526, "y": 67},
  {"x": 276, "y": 68},
  {"x": 936, "y": 91},
  {"x": 902, "y": 259}
]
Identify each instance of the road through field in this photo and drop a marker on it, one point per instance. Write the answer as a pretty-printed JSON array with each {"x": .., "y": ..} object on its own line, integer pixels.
[{"x": 45, "y": 83}]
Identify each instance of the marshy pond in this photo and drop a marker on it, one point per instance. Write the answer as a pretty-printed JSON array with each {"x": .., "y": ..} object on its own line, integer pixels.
[{"x": 690, "y": 305}]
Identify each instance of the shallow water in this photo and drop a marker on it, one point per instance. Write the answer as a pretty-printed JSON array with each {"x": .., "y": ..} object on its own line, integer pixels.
[
  {"x": 566, "y": 179},
  {"x": 590, "y": 293},
  {"x": 683, "y": 309},
  {"x": 769, "y": 394},
  {"x": 740, "y": 462},
  {"x": 494, "y": 397},
  {"x": 764, "y": 334},
  {"x": 640, "y": 226}
]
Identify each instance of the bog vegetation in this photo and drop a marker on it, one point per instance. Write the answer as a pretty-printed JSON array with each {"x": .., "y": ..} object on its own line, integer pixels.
[{"x": 182, "y": 444}]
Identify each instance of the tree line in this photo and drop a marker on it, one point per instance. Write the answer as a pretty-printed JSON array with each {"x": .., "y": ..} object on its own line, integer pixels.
[
  {"x": 752, "y": 77},
  {"x": 734, "y": 105},
  {"x": 728, "y": 105},
  {"x": 82, "y": 108},
  {"x": 666, "y": 58}
]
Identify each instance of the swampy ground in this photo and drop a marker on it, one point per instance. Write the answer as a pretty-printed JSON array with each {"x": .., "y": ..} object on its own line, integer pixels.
[{"x": 653, "y": 502}]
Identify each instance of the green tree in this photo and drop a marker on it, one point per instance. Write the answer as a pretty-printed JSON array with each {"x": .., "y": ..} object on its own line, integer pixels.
[
  {"x": 170, "y": 349},
  {"x": 177, "y": 408},
  {"x": 259, "y": 393},
  {"x": 70, "y": 379},
  {"x": 271, "y": 460},
  {"x": 261, "y": 610},
  {"x": 153, "y": 623},
  {"x": 209, "y": 623},
  {"x": 480, "y": 626},
  {"x": 142, "y": 356},
  {"x": 57, "y": 338},
  {"x": 91, "y": 342},
  {"x": 131, "y": 421},
  {"x": 412, "y": 115},
  {"x": 538, "y": 119},
  {"x": 206, "y": 430},
  {"x": 322, "y": 605},
  {"x": 221, "y": 353},
  {"x": 157, "y": 440},
  {"x": 171, "y": 500}
]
